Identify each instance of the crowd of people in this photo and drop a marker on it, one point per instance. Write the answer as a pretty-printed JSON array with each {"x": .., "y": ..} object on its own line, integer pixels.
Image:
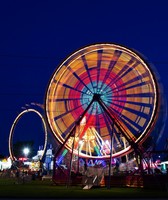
[{"x": 20, "y": 175}]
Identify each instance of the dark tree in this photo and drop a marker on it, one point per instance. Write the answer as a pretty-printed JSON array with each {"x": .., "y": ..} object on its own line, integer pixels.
[{"x": 2, "y": 156}]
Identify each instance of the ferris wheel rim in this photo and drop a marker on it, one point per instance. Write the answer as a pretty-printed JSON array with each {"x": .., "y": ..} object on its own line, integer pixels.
[
  {"x": 18, "y": 117},
  {"x": 150, "y": 124}
]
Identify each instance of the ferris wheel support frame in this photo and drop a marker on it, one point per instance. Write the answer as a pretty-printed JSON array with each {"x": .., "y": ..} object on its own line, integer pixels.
[
  {"x": 136, "y": 148},
  {"x": 111, "y": 137},
  {"x": 119, "y": 125},
  {"x": 65, "y": 141},
  {"x": 114, "y": 104},
  {"x": 69, "y": 176}
]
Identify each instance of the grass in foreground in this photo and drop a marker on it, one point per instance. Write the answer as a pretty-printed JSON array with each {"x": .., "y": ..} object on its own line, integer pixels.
[{"x": 46, "y": 189}]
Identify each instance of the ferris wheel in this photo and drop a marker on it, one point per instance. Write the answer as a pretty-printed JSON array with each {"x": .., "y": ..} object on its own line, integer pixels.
[{"x": 101, "y": 99}]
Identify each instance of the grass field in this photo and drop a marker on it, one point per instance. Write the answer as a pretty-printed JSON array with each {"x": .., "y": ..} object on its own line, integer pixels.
[{"x": 9, "y": 188}]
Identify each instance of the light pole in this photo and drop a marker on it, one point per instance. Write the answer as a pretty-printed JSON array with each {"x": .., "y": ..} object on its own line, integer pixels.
[{"x": 26, "y": 151}]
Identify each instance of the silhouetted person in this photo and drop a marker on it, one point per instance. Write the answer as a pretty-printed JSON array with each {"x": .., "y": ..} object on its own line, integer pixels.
[
  {"x": 17, "y": 175},
  {"x": 85, "y": 165}
]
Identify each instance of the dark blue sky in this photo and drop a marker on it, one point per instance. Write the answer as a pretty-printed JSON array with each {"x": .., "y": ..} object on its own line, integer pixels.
[{"x": 37, "y": 35}]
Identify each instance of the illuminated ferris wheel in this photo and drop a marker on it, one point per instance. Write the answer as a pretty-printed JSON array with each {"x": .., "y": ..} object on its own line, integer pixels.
[
  {"x": 101, "y": 99},
  {"x": 19, "y": 116}
]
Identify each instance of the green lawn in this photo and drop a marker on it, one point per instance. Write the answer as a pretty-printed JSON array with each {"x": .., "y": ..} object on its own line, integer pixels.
[{"x": 43, "y": 189}]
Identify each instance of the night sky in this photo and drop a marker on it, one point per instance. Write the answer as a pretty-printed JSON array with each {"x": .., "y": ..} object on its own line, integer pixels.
[{"x": 37, "y": 35}]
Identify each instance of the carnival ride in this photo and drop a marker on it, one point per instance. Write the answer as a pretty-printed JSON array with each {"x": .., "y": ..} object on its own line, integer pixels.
[
  {"x": 102, "y": 102},
  {"x": 12, "y": 155}
]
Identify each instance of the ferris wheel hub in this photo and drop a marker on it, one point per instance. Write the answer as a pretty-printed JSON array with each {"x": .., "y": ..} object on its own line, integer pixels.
[{"x": 96, "y": 97}]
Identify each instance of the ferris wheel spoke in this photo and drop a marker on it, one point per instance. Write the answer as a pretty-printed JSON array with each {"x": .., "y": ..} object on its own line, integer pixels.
[
  {"x": 131, "y": 81},
  {"x": 112, "y": 63},
  {"x": 139, "y": 85},
  {"x": 71, "y": 88},
  {"x": 125, "y": 71},
  {"x": 147, "y": 95},
  {"x": 131, "y": 85},
  {"x": 133, "y": 111},
  {"x": 117, "y": 102},
  {"x": 87, "y": 71},
  {"x": 66, "y": 100},
  {"x": 66, "y": 112},
  {"x": 132, "y": 125},
  {"x": 140, "y": 103},
  {"x": 80, "y": 80},
  {"x": 99, "y": 60},
  {"x": 67, "y": 132}
]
